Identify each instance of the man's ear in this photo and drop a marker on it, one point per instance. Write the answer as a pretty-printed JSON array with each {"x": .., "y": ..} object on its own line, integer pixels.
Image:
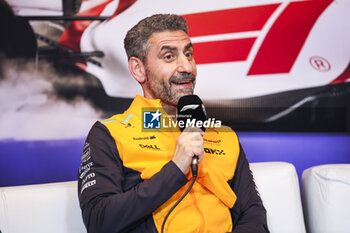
[{"x": 137, "y": 69}]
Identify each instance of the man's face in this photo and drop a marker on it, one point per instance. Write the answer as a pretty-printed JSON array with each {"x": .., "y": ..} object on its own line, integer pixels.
[{"x": 170, "y": 67}]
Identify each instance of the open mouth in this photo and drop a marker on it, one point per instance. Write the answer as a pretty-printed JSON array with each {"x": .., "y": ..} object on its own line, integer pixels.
[{"x": 183, "y": 82}]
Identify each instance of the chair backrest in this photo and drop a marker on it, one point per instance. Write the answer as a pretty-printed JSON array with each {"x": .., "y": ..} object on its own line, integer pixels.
[
  {"x": 54, "y": 207},
  {"x": 326, "y": 198},
  {"x": 278, "y": 185},
  {"x": 41, "y": 208}
]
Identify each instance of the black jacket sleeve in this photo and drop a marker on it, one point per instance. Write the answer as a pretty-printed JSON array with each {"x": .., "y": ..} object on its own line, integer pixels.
[
  {"x": 107, "y": 204},
  {"x": 248, "y": 213}
]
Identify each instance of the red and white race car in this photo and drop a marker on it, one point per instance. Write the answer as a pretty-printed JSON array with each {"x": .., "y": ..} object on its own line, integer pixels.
[{"x": 268, "y": 64}]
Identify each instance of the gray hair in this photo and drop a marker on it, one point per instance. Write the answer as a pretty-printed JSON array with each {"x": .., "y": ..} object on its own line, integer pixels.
[{"x": 136, "y": 39}]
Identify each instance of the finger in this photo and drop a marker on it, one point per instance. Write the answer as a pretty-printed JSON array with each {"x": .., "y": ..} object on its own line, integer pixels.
[
  {"x": 199, "y": 151},
  {"x": 193, "y": 136},
  {"x": 194, "y": 144},
  {"x": 193, "y": 129}
]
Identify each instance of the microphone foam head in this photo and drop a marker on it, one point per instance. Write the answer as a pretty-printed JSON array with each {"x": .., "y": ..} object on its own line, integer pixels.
[{"x": 190, "y": 107}]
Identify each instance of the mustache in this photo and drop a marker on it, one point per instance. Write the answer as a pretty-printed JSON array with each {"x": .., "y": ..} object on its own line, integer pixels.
[{"x": 182, "y": 76}]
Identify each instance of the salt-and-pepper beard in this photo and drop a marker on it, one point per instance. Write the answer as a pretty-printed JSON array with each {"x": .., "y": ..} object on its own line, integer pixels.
[{"x": 166, "y": 93}]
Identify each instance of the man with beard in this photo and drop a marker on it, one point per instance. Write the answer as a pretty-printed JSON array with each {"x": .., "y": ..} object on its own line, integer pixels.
[{"x": 130, "y": 177}]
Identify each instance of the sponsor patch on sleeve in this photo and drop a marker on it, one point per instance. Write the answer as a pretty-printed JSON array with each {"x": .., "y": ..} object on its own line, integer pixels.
[
  {"x": 84, "y": 169},
  {"x": 87, "y": 185},
  {"x": 86, "y": 153}
]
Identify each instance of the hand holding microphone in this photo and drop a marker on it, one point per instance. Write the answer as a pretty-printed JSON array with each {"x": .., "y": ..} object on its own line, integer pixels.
[{"x": 189, "y": 146}]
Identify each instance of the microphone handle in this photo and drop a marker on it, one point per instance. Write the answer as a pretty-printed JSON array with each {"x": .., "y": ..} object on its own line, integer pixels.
[{"x": 194, "y": 166}]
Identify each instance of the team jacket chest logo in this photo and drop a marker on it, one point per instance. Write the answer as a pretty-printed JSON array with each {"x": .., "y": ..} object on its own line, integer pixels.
[
  {"x": 144, "y": 138},
  {"x": 151, "y": 147},
  {"x": 214, "y": 151}
]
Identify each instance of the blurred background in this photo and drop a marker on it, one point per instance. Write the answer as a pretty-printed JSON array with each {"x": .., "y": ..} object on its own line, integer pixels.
[{"x": 276, "y": 71}]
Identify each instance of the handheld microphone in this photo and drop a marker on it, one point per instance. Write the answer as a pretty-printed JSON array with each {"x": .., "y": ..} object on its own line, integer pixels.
[{"x": 190, "y": 109}]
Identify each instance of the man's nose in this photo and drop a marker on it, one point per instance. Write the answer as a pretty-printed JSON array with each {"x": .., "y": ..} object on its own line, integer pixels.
[{"x": 185, "y": 64}]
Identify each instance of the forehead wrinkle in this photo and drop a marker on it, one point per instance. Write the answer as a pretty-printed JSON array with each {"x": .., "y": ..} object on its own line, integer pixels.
[
  {"x": 174, "y": 48},
  {"x": 167, "y": 47},
  {"x": 168, "y": 41}
]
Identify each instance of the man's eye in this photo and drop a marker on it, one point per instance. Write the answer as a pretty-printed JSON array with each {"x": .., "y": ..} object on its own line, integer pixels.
[
  {"x": 169, "y": 57},
  {"x": 189, "y": 55}
]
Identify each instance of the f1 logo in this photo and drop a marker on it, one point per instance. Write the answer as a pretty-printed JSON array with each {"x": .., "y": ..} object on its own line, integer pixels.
[
  {"x": 280, "y": 46},
  {"x": 189, "y": 106},
  {"x": 151, "y": 119}
]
